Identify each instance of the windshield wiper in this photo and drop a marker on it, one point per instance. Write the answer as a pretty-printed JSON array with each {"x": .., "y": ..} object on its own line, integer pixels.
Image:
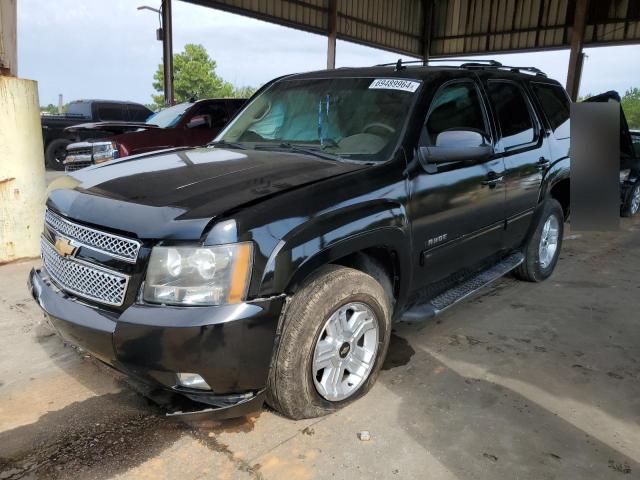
[
  {"x": 317, "y": 152},
  {"x": 224, "y": 143}
]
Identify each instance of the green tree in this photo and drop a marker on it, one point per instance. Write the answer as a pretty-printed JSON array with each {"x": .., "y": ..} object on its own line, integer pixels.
[
  {"x": 194, "y": 75},
  {"x": 51, "y": 109},
  {"x": 631, "y": 106}
]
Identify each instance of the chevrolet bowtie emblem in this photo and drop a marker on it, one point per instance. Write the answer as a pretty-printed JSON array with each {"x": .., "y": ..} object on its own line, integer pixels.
[{"x": 65, "y": 248}]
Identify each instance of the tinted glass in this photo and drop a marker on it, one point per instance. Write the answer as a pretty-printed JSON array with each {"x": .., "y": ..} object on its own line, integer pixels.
[
  {"x": 455, "y": 107},
  {"x": 168, "y": 117},
  {"x": 635, "y": 138},
  {"x": 513, "y": 114},
  {"x": 353, "y": 118},
  {"x": 217, "y": 112},
  {"x": 111, "y": 112},
  {"x": 81, "y": 109},
  {"x": 138, "y": 114},
  {"x": 556, "y": 107}
]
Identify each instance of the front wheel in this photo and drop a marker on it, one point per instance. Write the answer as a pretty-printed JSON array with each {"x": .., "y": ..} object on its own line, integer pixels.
[
  {"x": 334, "y": 338},
  {"x": 632, "y": 202},
  {"x": 542, "y": 249},
  {"x": 56, "y": 152}
]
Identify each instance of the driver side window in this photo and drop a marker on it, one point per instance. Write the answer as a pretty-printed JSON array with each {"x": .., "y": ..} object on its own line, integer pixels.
[{"x": 456, "y": 106}]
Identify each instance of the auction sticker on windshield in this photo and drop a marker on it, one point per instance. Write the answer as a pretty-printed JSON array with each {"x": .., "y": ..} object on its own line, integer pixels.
[{"x": 394, "y": 84}]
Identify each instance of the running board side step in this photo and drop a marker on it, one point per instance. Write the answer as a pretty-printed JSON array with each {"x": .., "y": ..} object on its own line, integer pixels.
[{"x": 436, "y": 305}]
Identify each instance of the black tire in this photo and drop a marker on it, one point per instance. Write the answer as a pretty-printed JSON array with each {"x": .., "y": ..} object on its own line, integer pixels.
[
  {"x": 290, "y": 387},
  {"x": 531, "y": 269},
  {"x": 55, "y": 153},
  {"x": 629, "y": 208}
]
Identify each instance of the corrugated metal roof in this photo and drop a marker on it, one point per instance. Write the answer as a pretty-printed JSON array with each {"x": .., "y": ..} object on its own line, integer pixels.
[{"x": 451, "y": 27}]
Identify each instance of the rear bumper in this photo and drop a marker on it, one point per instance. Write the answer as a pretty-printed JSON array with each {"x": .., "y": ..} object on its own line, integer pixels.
[{"x": 230, "y": 346}]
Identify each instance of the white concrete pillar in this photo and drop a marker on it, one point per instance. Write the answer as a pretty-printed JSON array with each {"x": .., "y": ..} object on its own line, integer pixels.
[{"x": 22, "y": 181}]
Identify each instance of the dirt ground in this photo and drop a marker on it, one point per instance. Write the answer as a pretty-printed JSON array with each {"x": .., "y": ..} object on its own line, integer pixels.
[{"x": 527, "y": 381}]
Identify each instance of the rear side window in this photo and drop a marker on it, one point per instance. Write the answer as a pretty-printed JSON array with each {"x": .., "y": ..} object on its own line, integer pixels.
[
  {"x": 138, "y": 113},
  {"x": 108, "y": 112},
  {"x": 513, "y": 114},
  {"x": 80, "y": 109},
  {"x": 556, "y": 107},
  {"x": 456, "y": 106}
]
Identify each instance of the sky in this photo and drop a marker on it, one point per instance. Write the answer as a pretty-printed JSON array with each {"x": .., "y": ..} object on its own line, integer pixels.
[{"x": 107, "y": 49}]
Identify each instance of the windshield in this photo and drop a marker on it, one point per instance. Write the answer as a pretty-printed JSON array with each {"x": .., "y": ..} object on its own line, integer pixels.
[
  {"x": 169, "y": 116},
  {"x": 353, "y": 118}
]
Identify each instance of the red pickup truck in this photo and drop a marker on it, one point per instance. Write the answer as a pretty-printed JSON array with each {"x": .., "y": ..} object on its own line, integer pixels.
[{"x": 188, "y": 124}]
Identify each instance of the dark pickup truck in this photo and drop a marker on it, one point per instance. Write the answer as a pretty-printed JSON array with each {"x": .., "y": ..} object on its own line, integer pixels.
[
  {"x": 629, "y": 159},
  {"x": 188, "y": 124},
  {"x": 56, "y": 138},
  {"x": 271, "y": 264}
]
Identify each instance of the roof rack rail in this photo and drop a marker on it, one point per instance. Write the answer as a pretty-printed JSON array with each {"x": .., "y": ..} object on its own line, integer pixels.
[
  {"x": 466, "y": 63},
  {"x": 400, "y": 63},
  {"x": 535, "y": 70}
]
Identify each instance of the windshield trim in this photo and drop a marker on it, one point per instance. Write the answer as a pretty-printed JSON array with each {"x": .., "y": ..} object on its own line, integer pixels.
[{"x": 401, "y": 136}]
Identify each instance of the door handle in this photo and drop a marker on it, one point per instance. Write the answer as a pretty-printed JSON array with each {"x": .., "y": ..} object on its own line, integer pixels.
[
  {"x": 543, "y": 164},
  {"x": 492, "y": 179}
]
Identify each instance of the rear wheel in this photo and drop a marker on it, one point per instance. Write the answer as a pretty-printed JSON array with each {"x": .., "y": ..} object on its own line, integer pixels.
[
  {"x": 56, "y": 152},
  {"x": 334, "y": 339},
  {"x": 542, "y": 249},
  {"x": 632, "y": 202}
]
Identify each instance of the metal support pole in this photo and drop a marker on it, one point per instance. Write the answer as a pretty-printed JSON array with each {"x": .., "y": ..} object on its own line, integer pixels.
[
  {"x": 332, "y": 34},
  {"x": 427, "y": 8},
  {"x": 167, "y": 51},
  {"x": 576, "y": 56},
  {"x": 8, "y": 38}
]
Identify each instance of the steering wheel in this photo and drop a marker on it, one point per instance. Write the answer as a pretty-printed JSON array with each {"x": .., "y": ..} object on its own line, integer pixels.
[{"x": 383, "y": 126}]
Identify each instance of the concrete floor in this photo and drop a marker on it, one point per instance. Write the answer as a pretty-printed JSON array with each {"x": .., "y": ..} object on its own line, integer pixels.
[{"x": 526, "y": 381}]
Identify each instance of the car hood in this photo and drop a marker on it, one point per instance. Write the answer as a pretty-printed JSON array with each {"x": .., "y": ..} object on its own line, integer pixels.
[
  {"x": 177, "y": 193},
  {"x": 112, "y": 127}
]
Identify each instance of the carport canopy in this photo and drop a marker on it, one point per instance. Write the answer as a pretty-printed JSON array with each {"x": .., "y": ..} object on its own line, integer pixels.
[{"x": 447, "y": 28}]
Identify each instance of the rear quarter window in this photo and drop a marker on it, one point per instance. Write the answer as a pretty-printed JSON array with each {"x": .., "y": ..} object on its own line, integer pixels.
[
  {"x": 82, "y": 109},
  {"x": 108, "y": 112},
  {"x": 555, "y": 106},
  {"x": 138, "y": 113}
]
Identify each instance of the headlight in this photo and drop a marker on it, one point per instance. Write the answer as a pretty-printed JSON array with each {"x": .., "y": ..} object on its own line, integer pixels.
[
  {"x": 104, "y": 151},
  {"x": 198, "y": 275}
]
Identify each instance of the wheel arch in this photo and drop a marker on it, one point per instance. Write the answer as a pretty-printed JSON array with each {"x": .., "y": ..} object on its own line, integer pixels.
[
  {"x": 381, "y": 251},
  {"x": 561, "y": 191},
  {"x": 556, "y": 184}
]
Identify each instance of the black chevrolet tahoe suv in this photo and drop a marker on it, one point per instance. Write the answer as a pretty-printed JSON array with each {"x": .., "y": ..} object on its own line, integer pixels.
[{"x": 271, "y": 264}]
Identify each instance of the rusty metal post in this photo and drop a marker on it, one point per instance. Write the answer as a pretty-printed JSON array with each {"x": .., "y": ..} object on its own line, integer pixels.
[
  {"x": 576, "y": 56},
  {"x": 167, "y": 51},
  {"x": 332, "y": 34}
]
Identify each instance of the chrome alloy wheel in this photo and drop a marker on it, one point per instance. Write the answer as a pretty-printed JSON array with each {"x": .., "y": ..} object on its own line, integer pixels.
[
  {"x": 548, "y": 241},
  {"x": 345, "y": 351},
  {"x": 635, "y": 200}
]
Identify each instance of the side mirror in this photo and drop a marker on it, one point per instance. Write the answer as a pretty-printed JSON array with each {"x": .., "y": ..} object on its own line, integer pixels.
[
  {"x": 460, "y": 139},
  {"x": 199, "y": 121},
  {"x": 457, "y": 146}
]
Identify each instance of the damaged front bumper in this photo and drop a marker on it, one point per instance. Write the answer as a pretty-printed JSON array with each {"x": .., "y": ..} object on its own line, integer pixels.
[{"x": 229, "y": 346}]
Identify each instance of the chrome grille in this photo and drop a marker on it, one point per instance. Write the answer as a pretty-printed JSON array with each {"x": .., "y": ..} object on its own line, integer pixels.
[
  {"x": 88, "y": 281},
  {"x": 72, "y": 167},
  {"x": 113, "y": 245},
  {"x": 80, "y": 151}
]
